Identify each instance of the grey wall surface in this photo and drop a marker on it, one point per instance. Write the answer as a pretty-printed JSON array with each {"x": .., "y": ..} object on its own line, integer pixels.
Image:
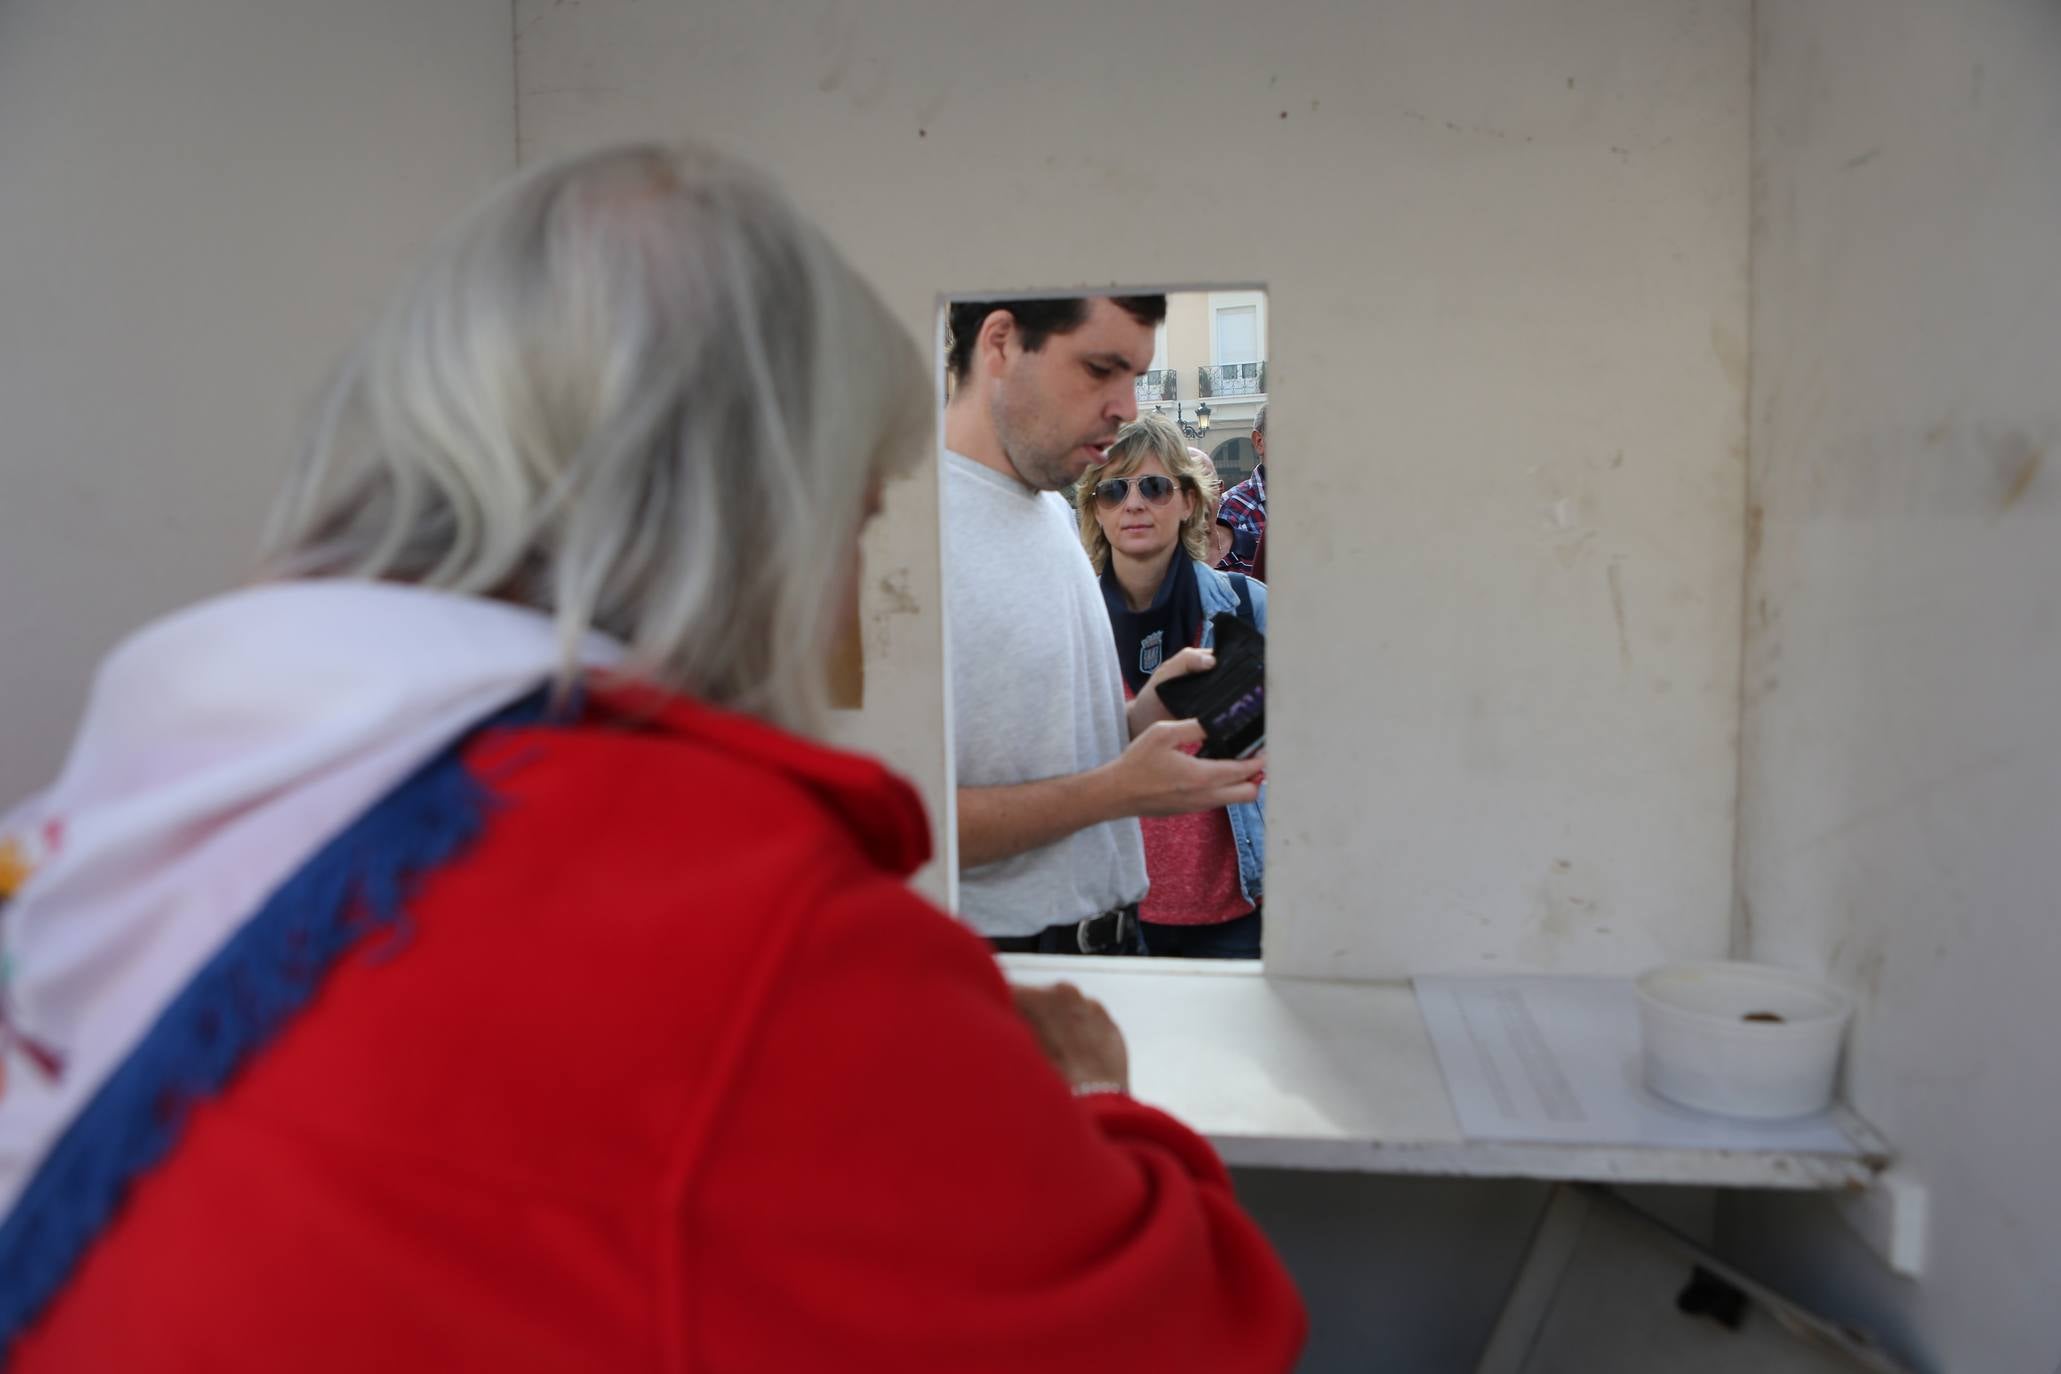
[
  {"x": 203, "y": 199},
  {"x": 1901, "y": 771},
  {"x": 1402, "y": 1275},
  {"x": 1505, "y": 248}
]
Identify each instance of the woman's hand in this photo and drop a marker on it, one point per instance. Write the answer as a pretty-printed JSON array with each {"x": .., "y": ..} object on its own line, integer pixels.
[
  {"x": 1146, "y": 709},
  {"x": 1077, "y": 1035}
]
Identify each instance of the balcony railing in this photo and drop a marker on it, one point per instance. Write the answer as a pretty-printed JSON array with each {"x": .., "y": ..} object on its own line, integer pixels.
[
  {"x": 1160, "y": 384},
  {"x": 1232, "y": 379}
]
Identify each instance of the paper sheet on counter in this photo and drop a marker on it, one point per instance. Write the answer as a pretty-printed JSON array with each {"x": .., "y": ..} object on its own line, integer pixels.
[{"x": 1557, "y": 1059}]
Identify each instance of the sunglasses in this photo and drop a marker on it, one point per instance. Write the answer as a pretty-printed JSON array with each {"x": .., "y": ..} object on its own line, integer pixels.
[{"x": 1154, "y": 488}]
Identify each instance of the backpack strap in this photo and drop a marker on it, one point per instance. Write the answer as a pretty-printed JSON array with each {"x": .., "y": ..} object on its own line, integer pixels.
[{"x": 1238, "y": 585}]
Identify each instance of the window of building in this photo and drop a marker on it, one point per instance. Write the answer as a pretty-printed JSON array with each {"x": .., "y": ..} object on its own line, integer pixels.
[{"x": 1237, "y": 334}]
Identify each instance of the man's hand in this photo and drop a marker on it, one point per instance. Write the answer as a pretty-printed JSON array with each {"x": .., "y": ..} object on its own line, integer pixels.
[
  {"x": 1076, "y": 1034},
  {"x": 1159, "y": 776},
  {"x": 1146, "y": 709}
]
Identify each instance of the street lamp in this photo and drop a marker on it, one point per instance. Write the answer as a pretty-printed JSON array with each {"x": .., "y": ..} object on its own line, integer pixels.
[{"x": 1202, "y": 417}]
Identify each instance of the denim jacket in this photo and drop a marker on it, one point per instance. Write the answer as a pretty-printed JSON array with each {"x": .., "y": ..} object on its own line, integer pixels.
[{"x": 1248, "y": 819}]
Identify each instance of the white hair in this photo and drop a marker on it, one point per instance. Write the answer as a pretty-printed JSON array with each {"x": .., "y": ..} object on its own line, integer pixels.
[{"x": 634, "y": 389}]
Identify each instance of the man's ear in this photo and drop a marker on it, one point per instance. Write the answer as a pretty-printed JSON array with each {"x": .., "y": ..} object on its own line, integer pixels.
[{"x": 996, "y": 334}]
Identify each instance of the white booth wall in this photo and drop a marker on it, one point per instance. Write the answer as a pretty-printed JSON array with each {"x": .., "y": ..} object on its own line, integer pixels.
[
  {"x": 203, "y": 200},
  {"x": 1505, "y": 243},
  {"x": 1901, "y": 805}
]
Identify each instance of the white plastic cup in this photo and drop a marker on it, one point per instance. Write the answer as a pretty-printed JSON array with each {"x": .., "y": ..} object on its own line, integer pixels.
[{"x": 1742, "y": 1040}]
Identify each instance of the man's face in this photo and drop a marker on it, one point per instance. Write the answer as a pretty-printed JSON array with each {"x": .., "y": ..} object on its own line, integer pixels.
[
  {"x": 1259, "y": 444},
  {"x": 1057, "y": 409}
]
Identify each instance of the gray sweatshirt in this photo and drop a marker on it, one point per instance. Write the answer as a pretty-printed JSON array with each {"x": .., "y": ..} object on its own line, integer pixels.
[{"x": 1036, "y": 693}]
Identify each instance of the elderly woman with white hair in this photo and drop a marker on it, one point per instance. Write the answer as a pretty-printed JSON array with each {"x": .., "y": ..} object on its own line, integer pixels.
[
  {"x": 452, "y": 952},
  {"x": 1146, "y": 513}
]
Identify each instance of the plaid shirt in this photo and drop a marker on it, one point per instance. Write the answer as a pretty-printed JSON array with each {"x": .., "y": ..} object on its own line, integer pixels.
[{"x": 1244, "y": 509}]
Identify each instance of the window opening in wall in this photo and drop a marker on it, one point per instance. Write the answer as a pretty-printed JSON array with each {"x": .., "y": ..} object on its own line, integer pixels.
[{"x": 1106, "y": 612}]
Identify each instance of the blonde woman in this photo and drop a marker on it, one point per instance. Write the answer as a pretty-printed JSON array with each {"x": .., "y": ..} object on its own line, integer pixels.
[
  {"x": 1145, "y": 516},
  {"x": 453, "y": 951}
]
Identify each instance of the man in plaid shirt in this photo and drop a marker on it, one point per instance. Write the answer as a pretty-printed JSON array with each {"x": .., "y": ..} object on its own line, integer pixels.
[{"x": 1244, "y": 510}]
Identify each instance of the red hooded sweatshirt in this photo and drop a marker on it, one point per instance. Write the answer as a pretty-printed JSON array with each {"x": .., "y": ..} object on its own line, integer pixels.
[{"x": 671, "y": 1071}]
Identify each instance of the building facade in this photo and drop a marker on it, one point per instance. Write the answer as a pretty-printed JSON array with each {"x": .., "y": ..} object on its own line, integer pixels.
[{"x": 1209, "y": 374}]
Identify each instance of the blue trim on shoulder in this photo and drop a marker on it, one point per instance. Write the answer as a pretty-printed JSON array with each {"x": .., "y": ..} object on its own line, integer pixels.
[
  {"x": 1241, "y": 584},
  {"x": 1232, "y": 591},
  {"x": 232, "y": 1008}
]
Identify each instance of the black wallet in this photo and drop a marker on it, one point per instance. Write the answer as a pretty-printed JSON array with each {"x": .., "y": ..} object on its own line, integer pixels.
[{"x": 1230, "y": 700}]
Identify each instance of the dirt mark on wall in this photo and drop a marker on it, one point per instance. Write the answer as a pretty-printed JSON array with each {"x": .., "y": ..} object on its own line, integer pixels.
[
  {"x": 1624, "y": 639},
  {"x": 2018, "y": 461}
]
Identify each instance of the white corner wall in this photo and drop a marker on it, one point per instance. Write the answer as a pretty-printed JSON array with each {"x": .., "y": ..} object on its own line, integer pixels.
[
  {"x": 1901, "y": 807},
  {"x": 1506, "y": 238},
  {"x": 203, "y": 199}
]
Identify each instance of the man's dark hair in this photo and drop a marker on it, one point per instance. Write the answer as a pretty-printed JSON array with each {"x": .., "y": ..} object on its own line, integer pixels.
[{"x": 1036, "y": 321}]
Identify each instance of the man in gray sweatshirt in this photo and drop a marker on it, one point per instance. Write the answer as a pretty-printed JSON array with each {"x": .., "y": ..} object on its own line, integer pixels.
[{"x": 1054, "y": 766}]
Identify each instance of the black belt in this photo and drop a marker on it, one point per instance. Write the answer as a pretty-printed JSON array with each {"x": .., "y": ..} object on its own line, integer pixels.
[{"x": 1111, "y": 931}]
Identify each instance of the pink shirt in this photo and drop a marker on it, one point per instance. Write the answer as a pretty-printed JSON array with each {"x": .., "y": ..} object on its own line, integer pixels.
[{"x": 1193, "y": 864}]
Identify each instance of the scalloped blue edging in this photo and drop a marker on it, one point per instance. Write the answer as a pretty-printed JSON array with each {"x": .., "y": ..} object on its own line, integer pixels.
[{"x": 237, "y": 1002}]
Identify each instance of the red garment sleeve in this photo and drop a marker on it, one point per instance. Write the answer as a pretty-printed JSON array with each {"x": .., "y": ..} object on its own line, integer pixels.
[{"x": 895, "y": 1179}]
